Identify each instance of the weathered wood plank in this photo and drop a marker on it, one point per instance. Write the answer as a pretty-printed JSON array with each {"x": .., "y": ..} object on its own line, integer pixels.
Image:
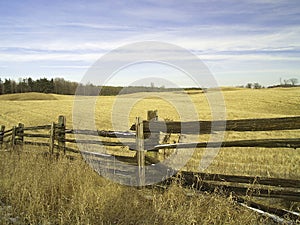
[
  {"x": 36, "y": 143},
  {"x": 7, "y": 131},
  {"x": 103, "y": 133},
  {"x": 105, "y": 143},
  {"x": 2, "y": 129},
  {"x": 116, "y": 134},
  {"x": 34, "y": 135},
  {"x": 7, "y": 134},
  {"x": 140, "y": 151},
  {"x": 42, "y": 127},
  {"x": 260, "y": 191},
  {"x": 264, "y": 143},
  {"x": 278, "y": 182},
  {"x": 110, "y": 164},
  {"x": 103, "y": 156},
  {"x": 276, "y": 211},
  {"x": 192, "y": 127}
]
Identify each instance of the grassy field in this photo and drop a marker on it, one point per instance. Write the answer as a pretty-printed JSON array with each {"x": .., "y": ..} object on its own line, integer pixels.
[
  {"x": 38, "y": 191},
  {"x": 240, "y": 103},
  {"x": 30, "y": 108}
]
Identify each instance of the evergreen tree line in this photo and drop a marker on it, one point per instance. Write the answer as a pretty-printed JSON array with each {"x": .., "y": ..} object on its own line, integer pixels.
[
  {"x": 43, "y": 85},
  {"x": 54, "y": 86},
  {"x": 62, "y": 86}
]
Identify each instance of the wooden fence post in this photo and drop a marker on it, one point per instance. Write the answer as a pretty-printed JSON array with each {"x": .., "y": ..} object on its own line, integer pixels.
[
  {"x": 140, "y": 150},
  {"x": 20, "y": 133},
  {"x": 13, "y": 137},
  {"x": 152, "y": 115},
  {"x": 61, "y": 127},
  {"x": 2, "y": 129},
  {"x": 154, "y": 137},
  {"x": 52, "y": 138}
]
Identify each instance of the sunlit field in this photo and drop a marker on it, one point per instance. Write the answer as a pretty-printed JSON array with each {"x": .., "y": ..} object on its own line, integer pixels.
[
  {"x": 31, "y": 108},
  {"x": 38, "y": 191},
  {"x": 38, "y": 109},
  {"x": 240, "y": 103}
]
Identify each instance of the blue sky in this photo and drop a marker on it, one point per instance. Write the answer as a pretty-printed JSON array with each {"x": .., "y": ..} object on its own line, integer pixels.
[{"x": 239, "y": 41}]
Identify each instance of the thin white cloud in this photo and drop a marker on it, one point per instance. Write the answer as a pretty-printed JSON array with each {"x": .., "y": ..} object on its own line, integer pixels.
[
  {"x": 44, "y": 57},
  {"x": 213, "y": 55},
  {"x": 97, "y": 26},
  {"x": 65, "y": 67},
  {"x": 248, "y": 57}
]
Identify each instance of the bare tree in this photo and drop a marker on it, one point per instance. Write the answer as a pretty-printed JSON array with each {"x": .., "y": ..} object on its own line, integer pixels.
[
  {"x": 293, "y": 81},
  {"x": 256, "y": 86}
]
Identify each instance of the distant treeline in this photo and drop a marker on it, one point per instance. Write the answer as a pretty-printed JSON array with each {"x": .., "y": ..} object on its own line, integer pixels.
[
  {"x": 62, "y": 86},
  {"x": 284, "y": 86},
  {"x": 43, "y": 85}
]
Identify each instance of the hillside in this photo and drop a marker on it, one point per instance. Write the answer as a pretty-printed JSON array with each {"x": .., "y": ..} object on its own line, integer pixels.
[{"x": 30, "y": 96}]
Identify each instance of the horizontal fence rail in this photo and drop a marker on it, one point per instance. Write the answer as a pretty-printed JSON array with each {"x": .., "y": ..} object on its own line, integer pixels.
[
  {"x": 206, "y": 127},
  {"x": 43, "y": 127},
  {"x": 103, "y": 133},
  {"x": 269, "y": 143},
  {"x": 194, "y": 177}
]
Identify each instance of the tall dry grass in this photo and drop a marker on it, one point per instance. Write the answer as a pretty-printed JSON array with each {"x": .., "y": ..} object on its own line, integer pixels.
[{"x": 37, "y": 190}]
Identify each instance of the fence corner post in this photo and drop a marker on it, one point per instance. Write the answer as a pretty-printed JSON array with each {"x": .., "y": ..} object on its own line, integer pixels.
[
  {"x": 2, "y": 129},
  {"x": 61, "y": 126},
  {"x": 140, "y": 151}
]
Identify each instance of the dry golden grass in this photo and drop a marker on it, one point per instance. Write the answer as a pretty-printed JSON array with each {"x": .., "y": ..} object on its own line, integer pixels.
[
  {"x": 36, "y": 190},
  {"x": 244, "y": 103},
  {"x": 277, "y": 163}
]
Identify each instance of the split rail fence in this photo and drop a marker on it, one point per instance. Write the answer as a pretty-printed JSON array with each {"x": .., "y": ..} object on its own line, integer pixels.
[{"x": 144, "y": 137}]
